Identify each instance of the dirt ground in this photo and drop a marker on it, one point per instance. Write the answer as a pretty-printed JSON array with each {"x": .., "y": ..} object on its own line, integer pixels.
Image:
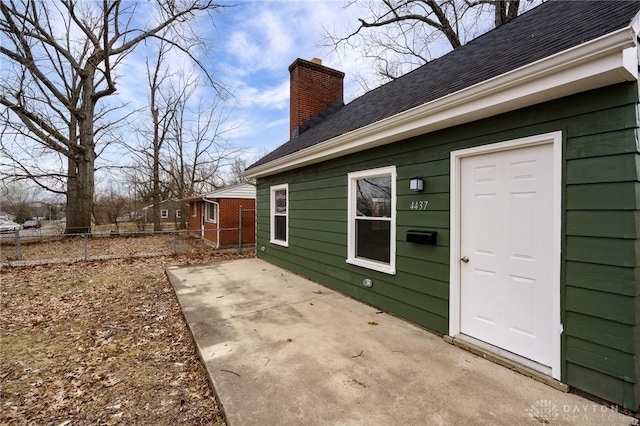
[
  {"x": 53, "y": 247},
  {"x": 100, "y": 342}
]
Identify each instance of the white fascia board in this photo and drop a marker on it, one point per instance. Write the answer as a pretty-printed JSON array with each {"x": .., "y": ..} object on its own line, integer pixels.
[{"x": 608, "y": 60}]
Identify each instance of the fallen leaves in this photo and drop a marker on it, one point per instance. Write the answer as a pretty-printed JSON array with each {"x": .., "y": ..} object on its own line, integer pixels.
[{"x": 100, "y": 342}]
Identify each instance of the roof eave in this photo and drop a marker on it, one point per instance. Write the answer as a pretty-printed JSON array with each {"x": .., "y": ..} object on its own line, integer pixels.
[
  {"x": 230, "y": 192},
  {"x": 610, "y": 59}
]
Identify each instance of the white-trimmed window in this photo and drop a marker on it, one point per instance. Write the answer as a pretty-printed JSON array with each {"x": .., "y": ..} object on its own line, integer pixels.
[
  {"x": 194, "y": 210},
  {"x": 164, "y": 213},
  {"x": 211, "y": 212},
  {"x": 280, "y": 215},
  {"x": 178, "y": 214},
  {"x": 372, "y": 219}
]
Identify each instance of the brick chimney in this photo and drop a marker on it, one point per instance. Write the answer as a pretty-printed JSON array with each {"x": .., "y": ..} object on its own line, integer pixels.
[{"x": 313, "y": 88}]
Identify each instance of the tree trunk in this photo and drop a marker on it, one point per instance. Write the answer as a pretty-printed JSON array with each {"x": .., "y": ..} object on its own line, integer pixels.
[
  {"x": 505, "y": 11},
  {"x": 81, "y": 164},
  {"x": 156, "y": 202},
  {"x": 156, "y": 167},
  {"x": 80, "y": 184}
]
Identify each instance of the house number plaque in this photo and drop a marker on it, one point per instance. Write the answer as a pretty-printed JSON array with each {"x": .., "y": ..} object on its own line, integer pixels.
[{"x": 419, "y": 205}]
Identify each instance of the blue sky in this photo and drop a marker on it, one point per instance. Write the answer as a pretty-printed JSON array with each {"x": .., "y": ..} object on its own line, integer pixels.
[
  {"x": 254, "y": 44},
  {"x": 251, "y": 46}
]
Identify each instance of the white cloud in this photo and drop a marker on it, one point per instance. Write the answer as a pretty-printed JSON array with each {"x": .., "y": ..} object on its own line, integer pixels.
[
  {"x": 259, "y": 40},
  {"x": 275, "y": 97}
]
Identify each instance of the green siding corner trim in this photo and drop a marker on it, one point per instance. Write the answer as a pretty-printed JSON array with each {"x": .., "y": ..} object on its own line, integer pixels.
[
  {"x": 614, "y": 168},
  {"x": 602, "y": 385},
  {"x": 604, "y": 278},
  {"x": 603, "y": 223},
  {"x": 613, "y": 307},
  {"x": 603, "y": 121},
  {"x": 603, "y": 196},
  {"x": 601, "y": 331},
  {"x": 603, "y": 144},
  {"x": 605, "y": 251},
  {"x": 605, "y": 360}
]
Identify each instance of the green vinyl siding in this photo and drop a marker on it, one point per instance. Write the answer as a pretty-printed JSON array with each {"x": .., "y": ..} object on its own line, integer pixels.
[
  {"x": 600, "y": 290},
  {"x": 602, "y": 251},
  {"x": 601, "y": 358},
  {"x": 603, "y": 223},
  {"x": 603, "y": 385},
  {"x": 606, "y": 251},
  {"x": 606, "y": 278}
]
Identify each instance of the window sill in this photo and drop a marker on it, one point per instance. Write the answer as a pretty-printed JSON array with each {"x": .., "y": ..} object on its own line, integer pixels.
[
  {"x": 376, "y": 266},
  {"x": 280, "y": 243}
]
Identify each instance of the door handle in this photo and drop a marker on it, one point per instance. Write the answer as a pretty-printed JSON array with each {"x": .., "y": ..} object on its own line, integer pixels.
[{"x": 465, "y": 259}]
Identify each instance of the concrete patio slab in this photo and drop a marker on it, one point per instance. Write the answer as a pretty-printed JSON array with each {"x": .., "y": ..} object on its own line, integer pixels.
[{"x": 282, "y": 350}]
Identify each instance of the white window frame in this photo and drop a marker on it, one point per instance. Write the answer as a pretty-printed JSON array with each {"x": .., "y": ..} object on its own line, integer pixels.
[
  {"x": 194, "y": 212},
  {"x": 164, "y": 214},
  {"x": 273, "y": 190},
  {"x": 178, "y": 214},
  {"x": 207, "y": 216},
  {"x": 387, "y": 268}
]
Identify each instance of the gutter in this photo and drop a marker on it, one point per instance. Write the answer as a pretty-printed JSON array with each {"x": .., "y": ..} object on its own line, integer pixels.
[{"x": 610, "y": 59}]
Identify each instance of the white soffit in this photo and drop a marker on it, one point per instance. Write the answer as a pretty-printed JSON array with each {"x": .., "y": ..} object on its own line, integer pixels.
[{"x": 610, "y": 59}]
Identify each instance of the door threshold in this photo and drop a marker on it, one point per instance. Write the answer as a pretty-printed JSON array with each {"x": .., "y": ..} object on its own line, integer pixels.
[{"x": 507, "y": 359}]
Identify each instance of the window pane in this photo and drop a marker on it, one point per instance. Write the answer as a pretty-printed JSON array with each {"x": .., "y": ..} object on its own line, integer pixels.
[
  {"x": 211, "y": 210},
  {"x": 281, "y": 201},
  {"x": 374, "y": 197},
  {"x": 280, "y": 231},
  {"x": 373, "y": 240}
]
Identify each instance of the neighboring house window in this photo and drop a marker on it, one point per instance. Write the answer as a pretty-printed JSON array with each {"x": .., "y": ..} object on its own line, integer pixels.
[
  {"x": 178, "y": 213},
  {"x": 280, "y": 215},
  {"x": 194, "y": 211},
  {"x": 212, "y": 212},
  {"x": 164, "y": 213},
  {"x": 372, "y": 219}
]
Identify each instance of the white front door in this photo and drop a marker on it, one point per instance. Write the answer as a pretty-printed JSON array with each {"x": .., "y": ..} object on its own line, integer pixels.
[{"x": 508, "y": 294}]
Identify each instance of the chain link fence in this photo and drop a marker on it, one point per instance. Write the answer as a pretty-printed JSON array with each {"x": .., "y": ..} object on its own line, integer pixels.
[{"x": 48, "y": 245}]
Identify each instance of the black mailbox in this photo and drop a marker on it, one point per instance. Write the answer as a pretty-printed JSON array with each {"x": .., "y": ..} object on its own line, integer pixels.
[{"x": 422, "y": 237}]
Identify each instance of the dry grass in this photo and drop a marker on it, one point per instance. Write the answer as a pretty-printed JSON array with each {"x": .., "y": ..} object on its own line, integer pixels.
[
  {"x": 100, "y": 342},
  {"x": 55, "y": 247}
]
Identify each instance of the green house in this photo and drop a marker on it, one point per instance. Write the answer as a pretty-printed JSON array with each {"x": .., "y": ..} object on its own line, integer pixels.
[{"x": 491, "y": 196}]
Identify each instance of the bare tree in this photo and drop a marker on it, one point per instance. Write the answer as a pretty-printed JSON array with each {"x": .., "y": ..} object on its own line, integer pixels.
[
  {"x": 61, "y": 60},
  {"x": 18, "y": 200},
  {"x": 182, "y": 149},
  {"x": 162, "y": 110},
  {"x": 110, "y": 206},
  {"x": 399, "y": 35},
  {"x": 199, "y": 150}
]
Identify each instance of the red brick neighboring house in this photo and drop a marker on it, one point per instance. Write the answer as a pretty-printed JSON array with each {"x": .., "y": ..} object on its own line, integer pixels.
[{"x": 216, "y": 214}]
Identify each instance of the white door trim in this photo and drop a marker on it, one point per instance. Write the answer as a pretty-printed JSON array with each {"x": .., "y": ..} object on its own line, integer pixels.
[{"x": 554, "y": 138}]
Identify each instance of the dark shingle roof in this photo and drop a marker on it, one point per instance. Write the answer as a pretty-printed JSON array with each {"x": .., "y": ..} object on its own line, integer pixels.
[{"x": 550, "y": 28}]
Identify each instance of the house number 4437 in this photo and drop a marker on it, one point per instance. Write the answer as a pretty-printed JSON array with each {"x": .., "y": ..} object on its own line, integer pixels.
[{"x": 418, "y": 205}]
